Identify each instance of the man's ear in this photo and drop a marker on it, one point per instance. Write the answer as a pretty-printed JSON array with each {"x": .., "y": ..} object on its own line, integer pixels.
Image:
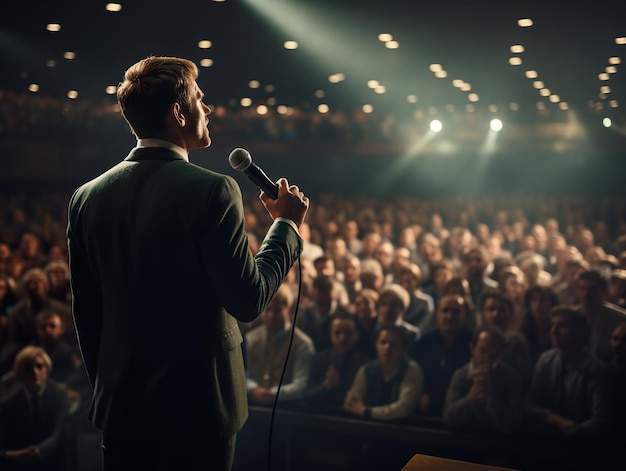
[{"x": 177, "y": 112}]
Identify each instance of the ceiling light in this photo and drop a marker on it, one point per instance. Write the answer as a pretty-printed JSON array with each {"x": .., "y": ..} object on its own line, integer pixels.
[
  {"x": 515, "y": 60},
  {"x": 436, "y": 125},
  {"x": 291, "y": 45},
  {"x": 615, "y": 60},
  {"x": 517, "y": 49},
  {"x": 435, "y": 67},
  {"x": 53, "y": 27},
  {"x": 411, "y": 99},
  {"x": 495, "y": 125},
  {"x": 206, "y": 62},
  {"x": 113, "y": 7},
  {"x": 384, "y": 37},
  {"x": 254, "y": 84},
  {"x": 392, "y": 44},
  {"x": 205, "y": 44},
  {"x": 531, "y": 74},
  {"x": 323, "y": 108},
  {"x": 367, "y": 109},
  {"x": 524, "y": 22}
]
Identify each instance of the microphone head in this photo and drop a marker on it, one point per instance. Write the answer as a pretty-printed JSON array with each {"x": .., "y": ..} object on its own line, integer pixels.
[{"x": 239, "y": 159}]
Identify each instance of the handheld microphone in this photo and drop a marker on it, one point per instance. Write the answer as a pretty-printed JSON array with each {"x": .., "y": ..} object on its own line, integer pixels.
[{"x": 241, "y": 160}]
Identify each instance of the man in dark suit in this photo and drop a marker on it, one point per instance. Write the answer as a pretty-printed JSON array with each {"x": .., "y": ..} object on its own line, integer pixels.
[{"x": 170, "y": 395}]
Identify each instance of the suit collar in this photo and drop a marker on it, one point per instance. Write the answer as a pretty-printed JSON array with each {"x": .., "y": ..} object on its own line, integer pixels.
[{"x": 153, "y": 153}]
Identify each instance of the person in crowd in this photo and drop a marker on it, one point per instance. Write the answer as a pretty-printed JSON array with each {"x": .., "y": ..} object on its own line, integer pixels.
[
  {"x": 475, "y": 266},
  {"x": 371, "y": 241},
  {"x": 120, "y": 225},
  {"x": 533, "y": 268},
  {"x": 325, "y": 266},
  {"x": 351, "y": 269},
  {"x": 5, "y": 255},
  {"x": 421, "y": 310},
  {"x": 442, "y": 273},
  {"x": 30, "y": 251},
  {"x": 441, "y": 351},
  {"x": 496, "y": 310},
  {"x": 617, "y": 288},
  {"x": 332, "y": 370},
  {"x": 567, "y": 291},
  {"x": 538, "y": 303},
  {"x": 22, "y": 325},
  {"x": 326, "y": 300},
  {"x": 366, "y": 315},
  {"x": 384, "y": 256},
  {"x": 337, "y": 250},
  {"x": 389, "y": 387},
  {"x": 8, "y": 299},
  {"x": 311, "y": 250},
  {"x": 485, "y": 394},
  {"x": 393, "y": 301},
  {"x": 266, "y": 352},
  {"x": 512, "y": 282},
  {"x": 603, "y": 317},
  {"x": 570, "y": 393},
  {"x": 561, "y": 276},
  {"x": 350, "y": 231},
  {"x": 58, "y": 273},
  {"x": 460, "y": 287},
  {"x": 372, "y": 275},
  {"x": 32, "y": 416}
]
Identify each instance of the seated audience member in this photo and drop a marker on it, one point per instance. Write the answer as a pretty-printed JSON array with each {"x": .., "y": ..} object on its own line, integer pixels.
[
  {"x": 351, "y": 269},
  {"x": 266, "y": 352},
  {"x": 496, "y": 310},
  {"x": 421, "y": 310},
  {"x": 393, "y": 301},
  {"x": 314, "y": 320},
  {"x": 371, "y": 274},
  {"x": 441, "y": 273},
  {"x": 389, "y": 387},
  {"x": 617, "y": 288},
  {"x": 538, "y": 302},
  {"x": 365, "y": 315},
  {"x": 603, "y": 317},
  {"x": 32, "y": 415},
  {"x": 311, "y": 251},
  {"x": 460, "y": 287},
  {"x": 618, "y": 373},
  {"x": 332, "y": 370},
  {"x": 58, "y": 275},
  {"x": 475, "y": 265},
  {"x": 30, "y": 251},
  {"x": 566, "y": 291},
  {"x": 441, "y": 351},
  {"x": 485, "y": 394},
  {"x": 532, "y": 266},
  {"x": 512, "y": 283},
  {"x": 50, "y": 330},
  {"x": 8, "y": 299},
  {"x": 22, "y": 327},
  {"x": 570, "y": 390},
  {"x": 325, "y": 266}
]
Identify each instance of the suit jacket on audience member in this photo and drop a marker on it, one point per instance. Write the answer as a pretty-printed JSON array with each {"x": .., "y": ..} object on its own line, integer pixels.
[
  {"x": 160, "y": 271},
  {"x": 501, "y": 413},
  {"x": 20, "y": 429}
]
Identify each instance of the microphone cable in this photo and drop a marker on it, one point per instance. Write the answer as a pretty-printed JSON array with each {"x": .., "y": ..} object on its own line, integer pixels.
[{"x": 282, "y": 376}]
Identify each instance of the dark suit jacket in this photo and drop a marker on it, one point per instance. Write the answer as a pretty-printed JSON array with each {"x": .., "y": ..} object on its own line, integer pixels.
[
  {"x": 18, "y": 428},
  {"x": 160, "y": 271}
]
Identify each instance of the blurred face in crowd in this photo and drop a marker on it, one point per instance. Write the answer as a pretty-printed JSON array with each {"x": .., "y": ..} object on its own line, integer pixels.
[
  {"x": 487, "y": 350},
  {"x": 514, "y": 285},
  {"x": 35, "y": 286},
  {"x": 36, "y": 374},
  {"x": 497, "y": 313},
  {"x": 364, "y": 310},
  {"x": 408, "y": 282},
  {"x": 564, "y": 334},
  {"x": 441, "y": 277},
  {"x": 390, "y": 348},
  {"x": 49, "y": 329},
  {"x": 450, "y": 314},
  {"x": 343, "y": 335},
  {"x": 351, "y": 269},
  {"x": 589, "y": 293},
  {"x": 475, "y": 264},
  {"x": 384, "y": 254},
  {"x": 351, "y": 230},
  {"x": 540, "y": 305},
  {"x": 325, "y": 267},
  {"x": 276, "y": 315},
  {"x": 389, "y": 309},
  {"x": 5, "y": 252},
  {"x": 57, "y": 276},
  {"x": 29, "y": 245}
]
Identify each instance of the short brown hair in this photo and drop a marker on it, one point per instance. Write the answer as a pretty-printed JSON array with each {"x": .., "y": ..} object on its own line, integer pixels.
[{"x": 150, "y": 88}]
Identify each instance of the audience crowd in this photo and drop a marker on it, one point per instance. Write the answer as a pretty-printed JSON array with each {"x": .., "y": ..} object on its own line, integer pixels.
[{"x": 497, "y": 314}]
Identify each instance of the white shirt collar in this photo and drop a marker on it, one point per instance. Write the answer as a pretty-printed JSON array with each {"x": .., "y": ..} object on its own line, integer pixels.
[{"x": 166, "y": 144}]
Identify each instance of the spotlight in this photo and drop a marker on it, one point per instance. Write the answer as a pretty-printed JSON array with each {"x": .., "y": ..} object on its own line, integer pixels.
[
  {"x": 495, "y": 124},
  {"x": 436, "y": 125},
  {"x": 606, "y": 122}
]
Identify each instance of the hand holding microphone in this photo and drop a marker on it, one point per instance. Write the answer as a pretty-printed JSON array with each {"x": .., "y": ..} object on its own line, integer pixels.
[{"x": 280, "y": 199}]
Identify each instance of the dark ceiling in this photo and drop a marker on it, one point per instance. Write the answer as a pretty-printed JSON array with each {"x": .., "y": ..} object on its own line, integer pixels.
[{"x": 569, "y": 45}]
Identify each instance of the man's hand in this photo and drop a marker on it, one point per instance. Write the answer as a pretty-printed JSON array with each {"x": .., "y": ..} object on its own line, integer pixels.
[
  {"x": 262, "y": 395},
  {"x": 354, "y": 405},
  {"x": 481, "y": 384},
  {"x": 290, "y": 204}
]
